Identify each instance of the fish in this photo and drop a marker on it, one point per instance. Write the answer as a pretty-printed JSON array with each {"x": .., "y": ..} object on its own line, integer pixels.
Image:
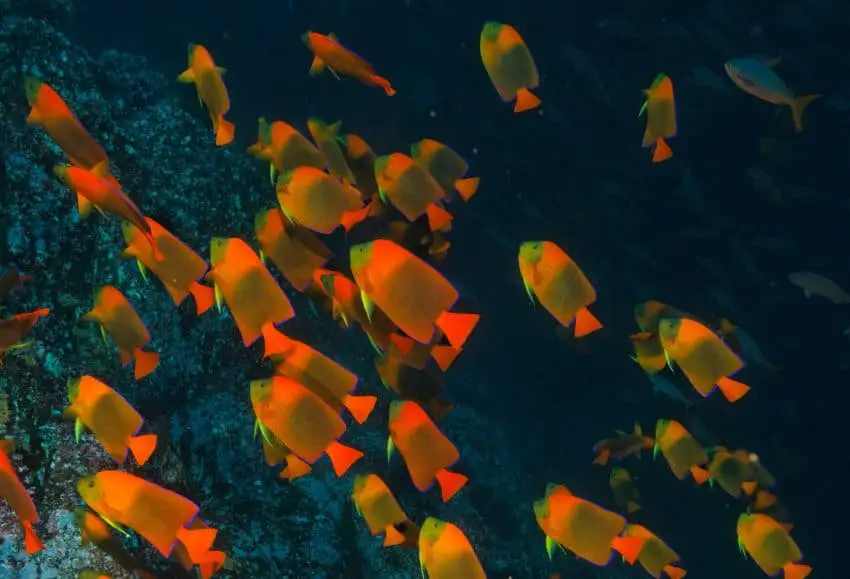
[
  {"x": 411, "y": 189},
  {"x": 733, "y": 471},
  {"x": 660, "y": 108},
  {"x": 704, "y": 358},
  {"x": 446, "y": 553},
  {"x": 296, "y": 251},
  {"x": 583, "y": 528},
  {"x": 661, "y": 385},
  {"x": 14, "y": 329},
  {"x": 208, "y": 564},
  {"x": 119, "y": 319},
  {"x": 284, "y": 148},
  {"x": 329, "y": 53},
  {"x": 422, "y": 386},
  {"x": 551, "y": 276},
  {"x": 681, "y": 450},
  {"x": 509, "y": 65},
  {"x": 179, "y": 268},
  {"x": 16, "y": 496},
  {"x": 414, "y": 295},
  {"x": 622, "y": 446},
  {"x": 94, "y": 530},
  {"x": 326, "y": 138},
  {"x": 302, "y": 421},
  {"x": 160, "y": 516},
  {"x": 253, "y": 297},
  {"x": 656, "y": 557},
  {"x": 649, "y": 313},
  {"x": 361, "y": 160},
  {"x": 770, "y": 546},
  {"x": 426, "y": 451},
  {"x": 317, "y": 201},
  {"x": 756, "y": 76},
  {"x": 815, "y": 284},
  {"x": 112, "y": 420},
  {"x": 649, "y": 354},
  {"x": 375, "y": 502},
  {"x": 625, "y": 493},
  {"x": 206, "y": 76},
  {"x": 446, "y": 166}
]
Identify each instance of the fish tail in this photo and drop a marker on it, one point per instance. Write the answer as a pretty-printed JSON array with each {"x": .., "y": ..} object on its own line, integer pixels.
[
  {"x": 351, "y": 218},
  {"x": 360, "y": 407},
  {"x": 295, "y": 467},
  {"x": 198, "y": 542},
  {"x": 457, "y": 327},
  {"x": 146, "y": 362},
  {"x": 467, "y": 187},
  {"x": 732, "y": 389},
  {"x": 798, "y": 105},
  {"x": 439, "y": 408},
  {"x": 764, "y": 500},
  {"x": 142, "y": 447},
  {"x": 700, "y": 474},
  {"x": 32, "y": 543},
  {"x": 603, "y": 457},
  {"x": 384, "y": 84},
  {"x": 586, "y": 323},
  {"x": 437, "y": 217},
  {"x": 450, "y": 483},
  {"x": 674, "y": 572},
  {"x": 628, "y": 547},
  {"x": 392, "y": 537},
  {"x": 213, "y": 561},
  {"x": 404, "y": 344},
  {"x": 662, "y": 151},
  {"x": 632, "y": 507},
  {"x": 342, "y": 457},
  {"x": 225, "y": 132},
  {"x": 187, "y": 76},
  {"x": 796, "y": 571},
  {"x": 444, "y": 356},
  {"x": 274, "y": 341},
  {"x": 525, "y": 100},
  {"x": 749, "y": 488},
  {"x": 204, "y": 297}
]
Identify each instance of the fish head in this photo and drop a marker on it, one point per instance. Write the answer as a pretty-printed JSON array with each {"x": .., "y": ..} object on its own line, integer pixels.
[
  {"x": 359, "y": 256},
  {"x": 90, "y": 489},
  {"x": 32, "y": 86},
  {"x": 491, "y": 31}
]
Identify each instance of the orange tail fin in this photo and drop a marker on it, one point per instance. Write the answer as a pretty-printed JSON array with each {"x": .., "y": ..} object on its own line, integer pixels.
[
  {"x": 295, "y": 467},
  {"x": 437, "y": 217},
  {"x": 439, "y": 408},
  {"x": 628, "y": 547},
  {"x": 764, "y": 500},
  {"x": 662, "y": 151},
  {"x": 32, "y": 543},
  {"x": 457, "y": 327},
  {"x": 225, "y": 132},
  {"x": 351, "y": 218},
  {"x": 749, "y": 488},
  {"x": 467, "y": 187},
  {"x": 798, "y": 105},
  {"x": 674, "y": 572},
  {"x": 603, "y": 457},
  {"x": 142, "y": 447},
  {"x": 450, "y": 483},
  {"x": 213, "y": 561},
  {"x": 384, "y": 84},
  {"x": 274, "y": 341},
  {"x": 197, "y": 542},
  {"x": 633, "y": 507},
  {"x": 342, "y": 457},
  {"x": 796, "y": 571},
  {"x": 402, "y": 343},
  {"x": 146, "y": 362},
  {"x": 525, "y": 101},
  {"x": 360, "y": 407},
  {"x": 586, "y": 323},
  {"x": 732, "y": 389},
  {"x": 204, "y": 297},
  {"x": 700, "y": 474},
  {"x": 444, "y": 356},
  {"x": 393, "y": 537}
]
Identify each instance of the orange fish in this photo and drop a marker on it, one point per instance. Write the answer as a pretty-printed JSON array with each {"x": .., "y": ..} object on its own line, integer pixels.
[
  {"x": 414, "y": 354},
  {"x": 622, "y": 446},
  {"x": 322, "y": 376},
  {"x": 648, "y": 314},
  {"x": 13, "y": 330},
  {"x": 284, "y": 148},
  {"x": 256, "y": 302},
  {"x": 446, "y": 553},
  {"x": 296, "y": 252},
  {"x": 586, "y": 529},
  {"x": 410, "y": 189},
  {"x": 275, "y": 453},
  {"x": 426, "y": 451},
  {"x": 655, "y": 556},
  {"x": 625, "y": 493},
  {"x": 313, "y": 199},
  {"x": 660, "y": 108},
  {"x": 649, "y": 354},
  {"x": 16, "y": 496},
  {"x": 559, "y": 285},
  {"x": 159, "y": 515},
  {"x": 704, "y": 358},
  {"x": 361, "y": 159},
  {"x": 94, "y": 530},
  {"x": 741, "y": 471},
  {"x": 446, "y": 166},
  {"x": 682, "y": 451},
  {"x": 117, "y": 317},
  {"x": 328, "y": 52},
  {"x": 770, "y": 546},
  {"x": 375, "y": 502},
  {"x": 111, "y": 419},
  {"x": 326, "y": 138},
  {"x": 211, "y": 91},
  {"x": 414, "y": 295},
  {"x": 422, "y": 386},
  {"x": 510, "y": 65},
  {"x": 179, "y": 268},
  {"x": 417, "y": 238},
  {"x": 302, "y": 421}
]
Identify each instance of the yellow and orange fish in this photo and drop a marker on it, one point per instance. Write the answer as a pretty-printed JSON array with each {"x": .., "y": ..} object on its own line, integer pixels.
[
  {"x": 660, "y": 108},
  {"x": 621, "y": 446},
  {"x": 411, "y": 189},
  {"x": 94, "y": 530},
  {"x": 14, "y": 329},
  {"x": 510, "y": 65},
  {"x": 704, "y": 358},
  {"x": 119, "y": 319},
  {"x": 16, "y": 496},
  {"x": 302, "y": 421},
  {"x": 770, "y": 546},
  {"x": 179, "y": 267},
  {"x": 256, "y": 302},
  {"x": 296, "y": 252},
  {"x": 414, "y": 295},
  {"x": 208, "y": 564},
  {"x": 550, "y": 275},
  {"x": 582, "y": 527},
  {"x": 375, "y": 502},
  {"x": 211, "y": 91},
  {"x": 284, "y": 148},
  {"x": 112, "y": 420},
  {"x": 681, "y": 450},
  {"x": 361, "y": 159},
  {"x": 329, "y": 53},
  {"x": 313, "y": 199},
  {"x": 446, "y": 553},
  {"x": 625, "y": 493},
  {"x": 446, "y": 166},
  {"x": 656, "y": 557},
  {"x": 326, "y": 138},
  {"x": 426, "y": 451}
]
